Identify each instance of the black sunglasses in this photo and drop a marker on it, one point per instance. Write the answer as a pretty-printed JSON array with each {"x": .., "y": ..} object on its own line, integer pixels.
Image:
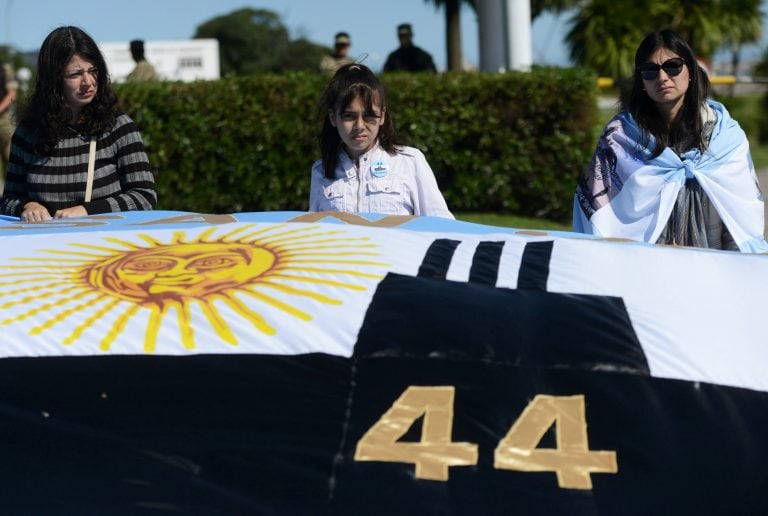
[{"x": 672, "y": 67}]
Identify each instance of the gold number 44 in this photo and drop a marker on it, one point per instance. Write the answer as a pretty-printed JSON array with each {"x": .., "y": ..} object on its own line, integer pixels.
[
  {"x": 434, "y": 453},
  {"x": 572, "y": 460}
]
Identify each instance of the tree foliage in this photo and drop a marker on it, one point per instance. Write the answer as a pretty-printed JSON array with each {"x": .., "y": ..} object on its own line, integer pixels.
[
  {"x": 452, "y": 30},
  {"x": 15, "y": 59},
  {"x": 256, "y": 41}
]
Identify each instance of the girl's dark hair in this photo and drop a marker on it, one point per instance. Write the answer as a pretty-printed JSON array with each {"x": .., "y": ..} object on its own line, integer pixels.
[
  {"x": 350, "y": 82},
  {"x": 46, "y": 114},
  {"x": 687, "y": 125}
]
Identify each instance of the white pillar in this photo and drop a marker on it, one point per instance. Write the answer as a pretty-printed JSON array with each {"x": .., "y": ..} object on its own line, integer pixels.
[
  {"x": 505, "y": 35},
  {"x": 518, "y": 28}
]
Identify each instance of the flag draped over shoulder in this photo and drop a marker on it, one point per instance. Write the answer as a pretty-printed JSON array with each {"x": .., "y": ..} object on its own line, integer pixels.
[{"x": 625, "y": 193}]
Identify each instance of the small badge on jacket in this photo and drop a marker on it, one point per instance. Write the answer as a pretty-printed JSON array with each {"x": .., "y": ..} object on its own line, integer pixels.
[{"x": 379, "y": 168}]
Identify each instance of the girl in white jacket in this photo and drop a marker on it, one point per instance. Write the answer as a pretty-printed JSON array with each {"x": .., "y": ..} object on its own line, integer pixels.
[{"x": 361, "y": 169}]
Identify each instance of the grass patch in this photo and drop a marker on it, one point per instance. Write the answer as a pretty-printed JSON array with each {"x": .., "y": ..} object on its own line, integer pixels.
[
  {"x": 512, "y": 221},
  {"x": 759, "y": 154},
  {"x": 749, "y": 110}
]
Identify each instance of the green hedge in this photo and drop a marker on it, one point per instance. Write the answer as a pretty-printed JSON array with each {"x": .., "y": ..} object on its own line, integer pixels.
[{"x": 509, "y": 143}]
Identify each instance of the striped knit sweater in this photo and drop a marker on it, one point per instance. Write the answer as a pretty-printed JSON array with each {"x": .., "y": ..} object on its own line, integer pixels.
[{"x": 122, "y": 179}]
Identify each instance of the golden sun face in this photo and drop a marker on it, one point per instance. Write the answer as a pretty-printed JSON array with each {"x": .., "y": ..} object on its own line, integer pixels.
[
  {"x": 172, "y": 273},
  {"x": 194, "y": 278}
]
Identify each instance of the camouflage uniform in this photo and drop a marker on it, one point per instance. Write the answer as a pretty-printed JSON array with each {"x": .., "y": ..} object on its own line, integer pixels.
[
  {"x": 329, "y": 64},
  {"x": 143, "y": 71}
]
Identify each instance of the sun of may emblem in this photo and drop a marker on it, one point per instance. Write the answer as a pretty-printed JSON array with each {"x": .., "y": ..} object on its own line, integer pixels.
[{"x": 195, "y": 280}]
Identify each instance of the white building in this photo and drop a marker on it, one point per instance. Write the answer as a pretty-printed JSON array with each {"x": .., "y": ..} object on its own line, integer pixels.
[{"x": 184, "y": 60}]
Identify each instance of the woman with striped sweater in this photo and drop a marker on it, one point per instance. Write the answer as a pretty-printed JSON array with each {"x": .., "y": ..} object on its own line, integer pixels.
[{"x": 71, "y": 119}]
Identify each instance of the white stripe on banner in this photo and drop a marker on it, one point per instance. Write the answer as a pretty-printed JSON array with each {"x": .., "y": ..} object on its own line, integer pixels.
[{"x": 240, "y": 285}]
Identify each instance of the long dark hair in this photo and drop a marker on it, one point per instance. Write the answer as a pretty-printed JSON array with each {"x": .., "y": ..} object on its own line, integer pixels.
[
  {"x": 350, "y": 82},
  {"x": 687, "y": 124},
  {"x": 47, "y": 114}
]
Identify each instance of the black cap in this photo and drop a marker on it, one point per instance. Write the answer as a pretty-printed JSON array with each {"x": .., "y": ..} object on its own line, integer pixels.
[
  {"x": 342, "y": 38},
  {"x": 404, "y": 29}
]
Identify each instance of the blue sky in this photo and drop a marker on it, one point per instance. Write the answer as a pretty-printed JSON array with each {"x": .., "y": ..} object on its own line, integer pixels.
[{"x": 370, "y": 23}]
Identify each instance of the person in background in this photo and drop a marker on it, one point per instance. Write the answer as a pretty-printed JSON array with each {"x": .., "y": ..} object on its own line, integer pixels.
[
  {"x": 143, "y": 71},
  {"x": 8, "y": 92},
  {"x": 72, "y": 110},
  {"x": 408, "y": 57},
  {"x": 361, "y": 169},
  {"x": 672, "y": 167},
  {"x": 329, "y": 64}
]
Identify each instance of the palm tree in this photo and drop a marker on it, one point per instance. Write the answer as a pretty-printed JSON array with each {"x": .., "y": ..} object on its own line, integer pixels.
[
  {"x": 708, "y": 25},
  {"x": 556, "y": 6},
  {"x": 605, "y": 41},
  {"x": 605, "y": 33},
  {"x": 453, "y": 30},
  {"x": 739, "y": 30}
]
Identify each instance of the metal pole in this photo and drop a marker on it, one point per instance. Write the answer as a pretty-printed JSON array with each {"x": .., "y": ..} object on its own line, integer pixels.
[
  {"x": 505, "y": 35},
  {"x": 491, "y": 35}
]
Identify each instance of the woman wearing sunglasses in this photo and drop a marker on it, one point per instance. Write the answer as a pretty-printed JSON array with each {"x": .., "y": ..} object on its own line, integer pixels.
[{"x": 672, "y": 167}]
